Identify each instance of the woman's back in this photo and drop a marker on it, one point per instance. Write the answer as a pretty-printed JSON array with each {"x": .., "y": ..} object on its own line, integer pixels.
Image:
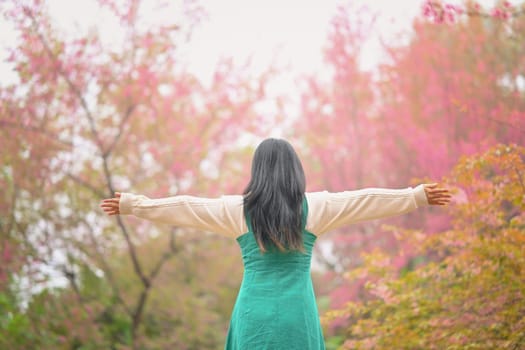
[{"x": 275, "y": 307}]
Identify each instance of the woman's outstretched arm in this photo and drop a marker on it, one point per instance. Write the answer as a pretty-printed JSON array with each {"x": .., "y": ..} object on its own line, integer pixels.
[
  {"x": 329, "y": 211},
  {"x": 221, "y": 215}
]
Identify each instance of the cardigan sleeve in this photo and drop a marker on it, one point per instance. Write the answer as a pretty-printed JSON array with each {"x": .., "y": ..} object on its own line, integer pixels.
[
  {"x": 222, "y": 215},
  {"x": 329, "y": 211}
]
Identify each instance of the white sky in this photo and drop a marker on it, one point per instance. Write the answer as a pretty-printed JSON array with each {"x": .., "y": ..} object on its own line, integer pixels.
[{"x": 290, "y": 33}]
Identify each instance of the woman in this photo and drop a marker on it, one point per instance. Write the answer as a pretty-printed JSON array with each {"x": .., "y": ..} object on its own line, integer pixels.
[{"x": 276, "y": 225}]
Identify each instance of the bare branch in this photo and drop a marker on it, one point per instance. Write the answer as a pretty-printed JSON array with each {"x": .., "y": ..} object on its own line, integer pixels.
[
  {"x": 86, "y": 184},
  {"x": 137, "y": 314},
  {"x": 71, "y": 277},
  {"x": 30, "y": 128},
  {"x": 165, "y": 257},
  {"x": 158, "y": 266},
  {"x": 127, "y": 115}
]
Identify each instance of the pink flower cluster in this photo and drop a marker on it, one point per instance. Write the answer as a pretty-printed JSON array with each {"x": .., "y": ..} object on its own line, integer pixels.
[
  {"x": 504, "y": 11},
  {"x": 440, "y": 12}
]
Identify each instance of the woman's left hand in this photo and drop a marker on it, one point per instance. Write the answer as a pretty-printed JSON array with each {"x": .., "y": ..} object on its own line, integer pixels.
[{"x": 111, "y": 205}]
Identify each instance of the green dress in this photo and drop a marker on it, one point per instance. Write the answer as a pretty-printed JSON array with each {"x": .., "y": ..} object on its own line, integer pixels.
[{"x": 275, "y": 308}]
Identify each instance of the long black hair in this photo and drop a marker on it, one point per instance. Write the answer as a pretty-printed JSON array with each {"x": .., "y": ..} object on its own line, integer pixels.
[{"x": 274, "y": 196}]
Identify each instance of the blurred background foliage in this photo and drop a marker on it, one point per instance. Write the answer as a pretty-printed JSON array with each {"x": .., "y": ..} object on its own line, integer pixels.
[{"x": 84, "y": 119}]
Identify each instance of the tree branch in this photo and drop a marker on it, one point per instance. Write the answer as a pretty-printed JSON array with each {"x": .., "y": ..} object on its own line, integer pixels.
[
  {"x": 71, "y": 277},
  {"x": 154, "y": 272},
  {"x": 165, "y": 257},
  {"x": 127, "y": 115},
  {"x": 137, "y": 313},
  {"x": 30, "y": 128},
  {"x": 520, "y": 178},
  {"x": 107, "y": 270},
  {"x": 86, "y": 184},
  {"x": 72, "y": 86},
  {"x": 136, "y": 264}
]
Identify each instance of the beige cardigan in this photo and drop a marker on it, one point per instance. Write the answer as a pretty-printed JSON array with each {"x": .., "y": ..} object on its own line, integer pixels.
[{"x": 224, "y": 215}]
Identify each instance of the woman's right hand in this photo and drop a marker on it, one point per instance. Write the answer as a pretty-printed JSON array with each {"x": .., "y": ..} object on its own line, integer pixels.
[{"x": 437, "y": 195}]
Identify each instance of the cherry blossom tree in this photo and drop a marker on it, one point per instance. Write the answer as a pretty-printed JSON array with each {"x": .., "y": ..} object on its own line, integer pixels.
[{"x": 84, "y": 119}]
